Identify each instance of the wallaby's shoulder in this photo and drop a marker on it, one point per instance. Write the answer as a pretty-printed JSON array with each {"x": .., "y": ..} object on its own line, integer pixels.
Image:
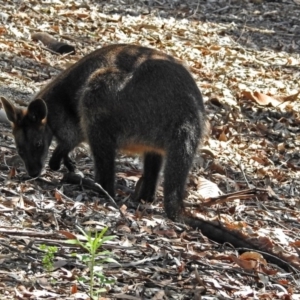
[{"x": 118, "y": 52}]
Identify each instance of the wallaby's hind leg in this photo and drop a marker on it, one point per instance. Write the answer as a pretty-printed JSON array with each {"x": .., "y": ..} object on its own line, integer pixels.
[
  {"x": 179, "y": 160},
  {"x": 152, "y": 166}
]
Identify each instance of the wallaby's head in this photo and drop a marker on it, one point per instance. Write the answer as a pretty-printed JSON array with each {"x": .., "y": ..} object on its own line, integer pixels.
[{"x": 31, "y": 135}]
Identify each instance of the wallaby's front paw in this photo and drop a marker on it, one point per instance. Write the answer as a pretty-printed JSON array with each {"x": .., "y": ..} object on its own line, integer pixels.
[{"x": 54, "y": 164}]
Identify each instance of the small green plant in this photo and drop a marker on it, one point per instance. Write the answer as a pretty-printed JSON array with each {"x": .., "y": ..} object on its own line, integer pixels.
[
  {"x": 48, "y": 256},
  {"x": 94, "y": 259}
]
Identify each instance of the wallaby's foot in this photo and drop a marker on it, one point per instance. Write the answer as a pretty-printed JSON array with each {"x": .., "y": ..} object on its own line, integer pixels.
[{"x": 142, "y": 191}]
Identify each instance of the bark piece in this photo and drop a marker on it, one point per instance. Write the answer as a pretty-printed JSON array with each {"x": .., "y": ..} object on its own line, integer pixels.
[{"x": 53, "y": 44}]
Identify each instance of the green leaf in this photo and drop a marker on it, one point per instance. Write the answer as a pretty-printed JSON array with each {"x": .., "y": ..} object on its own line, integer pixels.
[
  {"x": 108, "y": 238},
  {"x": 111, "y": 260},
  {"x": 73, "y": 242},
  {"x": 104, "y": 253}
]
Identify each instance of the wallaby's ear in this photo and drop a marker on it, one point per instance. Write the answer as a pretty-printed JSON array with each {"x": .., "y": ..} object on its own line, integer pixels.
[
  {"x": 37, "y": 110},
  {"x": 10, "y": 110}
]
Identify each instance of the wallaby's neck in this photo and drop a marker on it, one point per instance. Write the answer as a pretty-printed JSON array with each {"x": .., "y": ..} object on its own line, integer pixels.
[{"x": 65, "y": 88}]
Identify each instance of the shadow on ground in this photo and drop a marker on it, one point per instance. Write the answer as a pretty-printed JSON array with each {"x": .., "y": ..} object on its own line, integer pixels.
[{"x": 256, "y": 24}]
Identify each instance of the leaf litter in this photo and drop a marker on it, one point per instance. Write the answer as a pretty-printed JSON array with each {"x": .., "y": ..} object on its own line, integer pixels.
[{"x": 244, "y": 56}]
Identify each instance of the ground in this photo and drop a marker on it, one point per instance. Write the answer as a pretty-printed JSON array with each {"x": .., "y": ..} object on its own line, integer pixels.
[{"x": 244, "y": 56}]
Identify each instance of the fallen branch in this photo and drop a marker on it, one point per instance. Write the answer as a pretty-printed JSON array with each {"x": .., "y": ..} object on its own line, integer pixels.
[{"x": 245, "y": 194}]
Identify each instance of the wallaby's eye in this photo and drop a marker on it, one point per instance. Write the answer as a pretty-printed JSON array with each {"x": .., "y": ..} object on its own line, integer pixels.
[
  {"x": 33, "y": 118},
  {"x": 39, "y": 144}
]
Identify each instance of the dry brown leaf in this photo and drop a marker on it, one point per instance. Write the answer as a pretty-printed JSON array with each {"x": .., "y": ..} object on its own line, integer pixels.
[
  {"x": 270, "y": 272},
  {"x": 2, "y": 30},
  {"x": 68, "y": 234},
  {"x": 261, "y": 98},
  {"x": 123, "y": 228},
  {"x": 245, "y": 264},
  {"x": 292, "y": 97},
  {"x": 74, "y": 288},
  {"x": 223, "y": 137},
  {"x": 249, "y": 255},
  {"x": 235, "y": 225},
  {"x": 58, "y": 196},
  {"x": 169, "y": 233},
  {"x": 295, "y": 243},
  {"x": 283, "y": 281},
  {"x": 292, "y": 166},
  {"x": 259, "y": 160}
]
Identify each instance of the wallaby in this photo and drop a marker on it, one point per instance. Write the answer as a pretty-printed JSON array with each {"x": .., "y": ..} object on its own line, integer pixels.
[{"x": 119, "y": 97}]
